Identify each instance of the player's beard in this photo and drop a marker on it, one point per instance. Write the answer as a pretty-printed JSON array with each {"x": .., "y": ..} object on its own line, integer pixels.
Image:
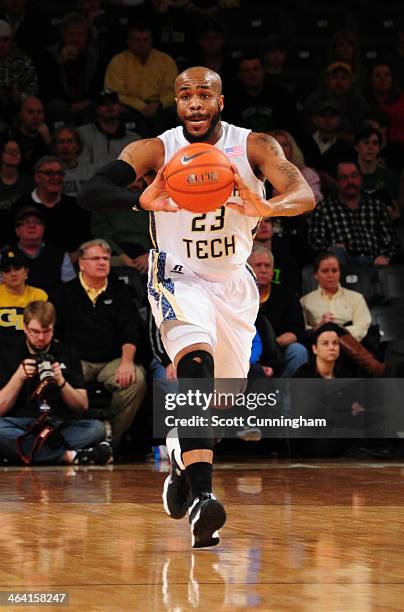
[{"x": 201, "y": 137}]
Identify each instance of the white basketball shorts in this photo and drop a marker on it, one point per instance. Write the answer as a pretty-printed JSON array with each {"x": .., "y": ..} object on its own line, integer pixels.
[{"x": 221, "y": 313}]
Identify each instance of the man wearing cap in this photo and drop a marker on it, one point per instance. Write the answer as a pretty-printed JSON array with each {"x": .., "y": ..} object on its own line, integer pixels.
[
  {"x": 17, "y": 73},
  {"x": 338, "y": 89},
  {"x": 325, "y": 147},
  {"x": 104, "y": 139},
  {"x": 48, "y": 265},
  {"x": 15, "y": 294}
]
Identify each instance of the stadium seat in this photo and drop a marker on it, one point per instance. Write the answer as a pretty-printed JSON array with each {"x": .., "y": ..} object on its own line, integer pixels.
[
  {"x": 391, "y": 326},
  {"x": 395, "y": 308},
  {"x": 391, "y": 280},
  {"x": 359, "y": 279}
]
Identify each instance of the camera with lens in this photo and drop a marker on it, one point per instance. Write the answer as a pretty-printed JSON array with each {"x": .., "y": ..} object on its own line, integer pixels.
[
  {"x": 44, "y": 364},
  {"x": 47, "y": 388}
]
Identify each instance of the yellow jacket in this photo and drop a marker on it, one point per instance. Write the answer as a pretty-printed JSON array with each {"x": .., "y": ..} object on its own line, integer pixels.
[{"x": 137, "y": 84}]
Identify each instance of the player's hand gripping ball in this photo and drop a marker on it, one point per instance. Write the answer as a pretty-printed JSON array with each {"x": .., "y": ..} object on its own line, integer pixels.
[{"x": 199, "y": 178}]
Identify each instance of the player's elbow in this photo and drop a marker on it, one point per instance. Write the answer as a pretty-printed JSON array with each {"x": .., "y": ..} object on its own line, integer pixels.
[
  {"x": 106, "y": 190},
  {"x": 89, "y": 197}
]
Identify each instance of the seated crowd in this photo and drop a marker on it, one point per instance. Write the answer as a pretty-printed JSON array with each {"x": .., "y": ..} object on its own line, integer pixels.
[{"x": 79, "y": 93}]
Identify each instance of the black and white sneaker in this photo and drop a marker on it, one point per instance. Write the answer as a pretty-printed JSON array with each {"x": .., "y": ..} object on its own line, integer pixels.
[
  {"x": 206, "y": 517},
  {"x": 101, "y": 454},
  {"x": 176, "y": 493}
]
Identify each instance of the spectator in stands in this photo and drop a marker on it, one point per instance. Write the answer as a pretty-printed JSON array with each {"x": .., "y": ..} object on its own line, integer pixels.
[
  {"x": 97, "y": 317},
  {"x": 396, "y": 60},
  {"x": 376, "y": 178},
  {"x": 354, "y": 225},
  {"x": 344, "y": 310},
  {"x": 331, "y": 303},
  {"x": 17, "y": 74},
  {"x": 104, "y": 139},
  {"x": 345, "y": 47},
  {"x": 341, "y": 408},
  {"x": 383, "y": 94},
  {"x": 324, "y": 147},
  {"x": 338, "y": 89},
  {"x": 21, "y": 392},
  {"x": 31, "y": 132},
  {"x": 257, "y": 105},
  {"x": 15, "y": 294},
  {"x": 294, "y": 154},
  {"x": 380, "y": 121},
  {"x": 70, "y": 73},
  {"x": 281, "y": 306},
  {"x": 13, "y": 185},
  {"x": 67, "y": 147},
  {"x": 30, "y": 29},
  {"x": 286, "y": 271},
  {"x": 211, "y": 52},
  {"x": 324, "y": 357},
  {"x": 48, "y": 266},
  {"x": 144, "y": 81},
  {"x": 104, "y": 31},
  {"x": 277, "y": 72},
  {"x": 67, "y": 224},
  {"x": 171, "y": 29}
]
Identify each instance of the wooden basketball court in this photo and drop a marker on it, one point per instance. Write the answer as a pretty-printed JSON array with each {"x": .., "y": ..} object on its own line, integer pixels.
[{"x": 310, "y": 536}]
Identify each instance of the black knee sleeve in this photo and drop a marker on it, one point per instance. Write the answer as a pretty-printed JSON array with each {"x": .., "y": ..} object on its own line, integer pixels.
[
  {"x": 203, "y": 443},
  {"x": 195, "y": 365}
]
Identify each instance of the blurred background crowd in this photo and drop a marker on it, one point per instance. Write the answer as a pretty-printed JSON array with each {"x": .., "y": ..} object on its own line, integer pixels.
[{"x": 81, "y": 79}]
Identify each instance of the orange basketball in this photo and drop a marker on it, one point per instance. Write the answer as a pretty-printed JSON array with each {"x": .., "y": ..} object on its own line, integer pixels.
[{"x": 199, "y": 178}]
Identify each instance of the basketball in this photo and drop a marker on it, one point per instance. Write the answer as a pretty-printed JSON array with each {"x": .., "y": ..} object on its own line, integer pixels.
[{"x": 199, "y": 178}]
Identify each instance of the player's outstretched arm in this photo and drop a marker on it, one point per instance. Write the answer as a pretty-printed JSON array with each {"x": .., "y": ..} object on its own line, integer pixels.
[
  {"x": 294, "y": 194},
  {"x": 107, "y": 189}
]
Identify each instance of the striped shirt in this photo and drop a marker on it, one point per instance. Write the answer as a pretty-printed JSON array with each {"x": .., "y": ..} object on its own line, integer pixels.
[{"x": 366, "y": 230}]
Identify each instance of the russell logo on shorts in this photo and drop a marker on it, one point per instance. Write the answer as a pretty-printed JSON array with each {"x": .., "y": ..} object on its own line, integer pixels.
[{"x": 178, "y": 269}]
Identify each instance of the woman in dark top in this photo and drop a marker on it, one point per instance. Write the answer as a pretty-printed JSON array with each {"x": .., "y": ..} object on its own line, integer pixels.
[
  {"x": 324, "y": 360},
  {"x": 338, "y": 405}
]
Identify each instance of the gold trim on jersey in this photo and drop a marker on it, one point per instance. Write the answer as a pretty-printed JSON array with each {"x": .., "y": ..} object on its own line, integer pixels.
[
  {"x": 152, "y": 229},
  {"x": 163, "y": 291}
]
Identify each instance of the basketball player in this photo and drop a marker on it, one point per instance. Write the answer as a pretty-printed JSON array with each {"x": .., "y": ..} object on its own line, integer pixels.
[{"x": 202, "y": 296}]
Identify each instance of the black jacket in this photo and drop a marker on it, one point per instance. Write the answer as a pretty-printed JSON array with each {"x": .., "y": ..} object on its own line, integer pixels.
[
  {"x": 284, "y": 311},
  {"x": 97, "y": 331}
]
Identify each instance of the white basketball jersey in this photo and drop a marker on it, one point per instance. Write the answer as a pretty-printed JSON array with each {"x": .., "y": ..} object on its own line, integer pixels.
[{"x": 214, "y": 245}]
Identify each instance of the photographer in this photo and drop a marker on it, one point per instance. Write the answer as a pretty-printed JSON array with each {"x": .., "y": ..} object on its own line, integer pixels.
[{"x": 43, "y": 396}]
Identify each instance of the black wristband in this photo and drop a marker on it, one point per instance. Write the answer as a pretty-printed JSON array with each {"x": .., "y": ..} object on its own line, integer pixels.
[{"x": 62, "y": 385}]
